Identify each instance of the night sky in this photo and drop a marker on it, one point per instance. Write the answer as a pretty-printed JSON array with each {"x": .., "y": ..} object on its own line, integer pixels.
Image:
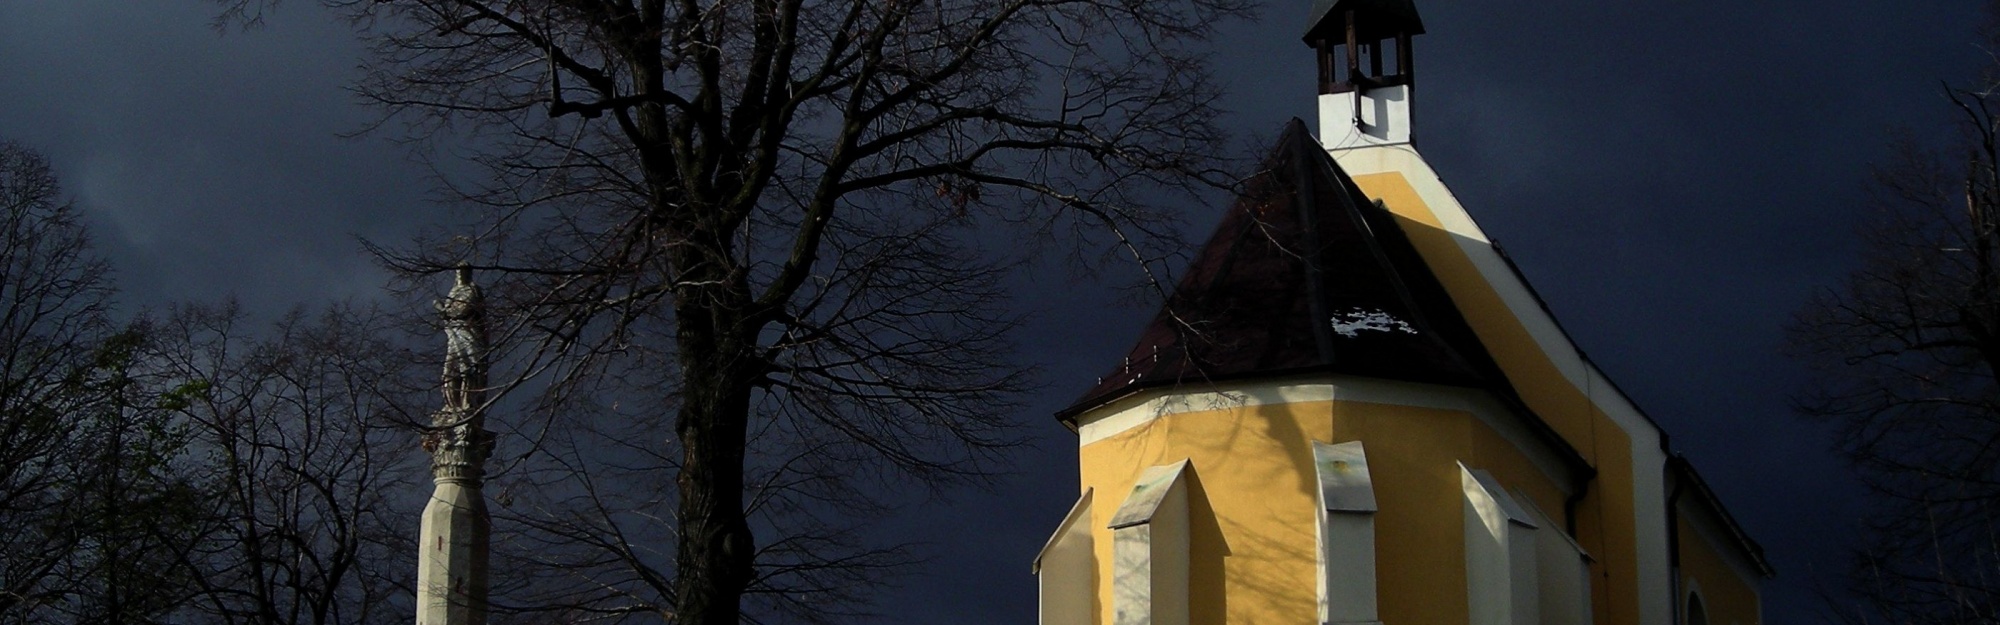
[{"x": 1675, "y": 178}]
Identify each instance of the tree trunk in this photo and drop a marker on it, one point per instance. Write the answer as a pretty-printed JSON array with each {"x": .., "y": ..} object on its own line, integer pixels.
[{"x": 716, "y": 549}]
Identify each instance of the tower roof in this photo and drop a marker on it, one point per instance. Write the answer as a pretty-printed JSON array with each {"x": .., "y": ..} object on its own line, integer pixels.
[
  {"x": 1374, "y": 19},
  {"x": 1304, "y": 274}
]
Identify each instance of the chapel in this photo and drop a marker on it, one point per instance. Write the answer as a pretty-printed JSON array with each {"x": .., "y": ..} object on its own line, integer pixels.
[{"x": 1354, "y": 408}]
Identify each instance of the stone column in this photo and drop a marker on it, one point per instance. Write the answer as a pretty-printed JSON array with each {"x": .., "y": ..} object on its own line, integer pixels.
[{"x": 452, "y": 548}]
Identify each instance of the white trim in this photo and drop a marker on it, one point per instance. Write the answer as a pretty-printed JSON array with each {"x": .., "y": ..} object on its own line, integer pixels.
[
  {"x": 1146, "y": 406},
  {"x": 1689, "y": 595},
  {"x": 1648, "y": 459},
  {"x": 1150, "y": 405}
]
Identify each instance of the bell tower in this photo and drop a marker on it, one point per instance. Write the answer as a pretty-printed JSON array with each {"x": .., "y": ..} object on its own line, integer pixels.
[{"x": 1367, "y": 70}]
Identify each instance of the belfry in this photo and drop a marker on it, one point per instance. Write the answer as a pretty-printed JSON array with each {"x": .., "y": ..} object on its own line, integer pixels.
[
  {"x": 1355, "y": 409},
  {"x": 452, "y": 544}
]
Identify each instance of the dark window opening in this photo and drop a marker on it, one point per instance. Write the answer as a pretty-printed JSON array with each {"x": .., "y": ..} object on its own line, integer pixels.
[{"x": 1365, "y": 65}]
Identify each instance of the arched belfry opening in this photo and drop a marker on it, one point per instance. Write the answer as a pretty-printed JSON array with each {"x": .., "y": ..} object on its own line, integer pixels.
[{"x": 1367, "y": 69}]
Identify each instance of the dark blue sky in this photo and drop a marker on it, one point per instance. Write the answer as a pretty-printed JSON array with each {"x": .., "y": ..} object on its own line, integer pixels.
[{"x": 1675, "y": 178}]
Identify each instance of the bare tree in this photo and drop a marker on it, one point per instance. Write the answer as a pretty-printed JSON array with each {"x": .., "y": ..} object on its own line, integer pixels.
[
  {"x": 47, "y": 260},
  {"x": 771, "y": 236},
  {"x": 306, "y": 481},
  {"x": 85, "y": 470},
  {"x": 189, "y": 470},
  {"x": 1907, "y": 363},
  {"x": 127, "y": 505},
  {"x": 182, "y": 471}
]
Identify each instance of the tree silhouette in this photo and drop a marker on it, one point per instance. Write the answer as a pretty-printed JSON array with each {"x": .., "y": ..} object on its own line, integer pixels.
[{"x": 759, "y": 247}]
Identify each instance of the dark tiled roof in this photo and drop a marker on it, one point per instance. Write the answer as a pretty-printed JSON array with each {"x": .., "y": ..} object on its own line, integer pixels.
[
  {"x": 1378, "y": 19},
  {"x": 1304, "y": 274}
]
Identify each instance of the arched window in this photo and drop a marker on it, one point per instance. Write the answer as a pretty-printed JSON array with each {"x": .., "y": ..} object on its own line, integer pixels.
[{"x": 1697, "y": 614}]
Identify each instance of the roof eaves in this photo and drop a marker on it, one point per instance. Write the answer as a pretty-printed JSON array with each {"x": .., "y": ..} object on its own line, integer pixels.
[{"x": 1748, "y": 545}]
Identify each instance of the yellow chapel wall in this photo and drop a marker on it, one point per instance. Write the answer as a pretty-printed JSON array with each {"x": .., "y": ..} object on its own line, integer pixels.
[
  {"x": 1611, "y": 530},
  {"x": 1730, "y": 598},
  {"x": 1253, "y": 532}
]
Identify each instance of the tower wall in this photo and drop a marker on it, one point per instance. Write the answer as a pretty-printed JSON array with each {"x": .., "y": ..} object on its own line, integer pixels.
[{"x": 1366, "y": 117}]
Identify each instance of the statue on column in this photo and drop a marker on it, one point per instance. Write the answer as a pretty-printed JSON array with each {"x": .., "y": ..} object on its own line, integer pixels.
[
  {"x": 452, "y": 556},
  {"x": 458, "y": 441}
]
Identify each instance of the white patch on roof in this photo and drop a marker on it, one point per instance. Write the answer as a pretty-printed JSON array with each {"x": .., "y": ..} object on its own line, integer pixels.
[{"x": 1353, "y": 322}]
